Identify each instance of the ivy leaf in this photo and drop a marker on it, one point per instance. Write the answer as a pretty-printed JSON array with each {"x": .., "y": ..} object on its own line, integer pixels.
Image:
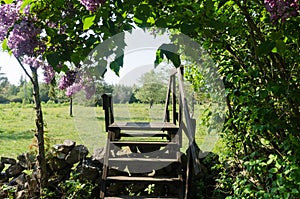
[
  {"x": 159, "y": 58},
  {"x": 170, "y": 51},
  {"x": 53, "y": 59},
  {"x": 117, "y": 64},
  {"x": 88, "y": 22},
  {"x": 265, "y": 47}
]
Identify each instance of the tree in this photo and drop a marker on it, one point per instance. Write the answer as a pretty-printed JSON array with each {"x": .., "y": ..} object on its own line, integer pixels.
[
  {"x": 153, "y": 89},
  {"x": 54, "y": 36},
  {"x": 255, "y": 46},
  {"x": 123, "y": 94}
]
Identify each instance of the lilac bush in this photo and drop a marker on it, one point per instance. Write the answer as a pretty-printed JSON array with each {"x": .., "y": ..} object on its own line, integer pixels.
[
  {"x": 9, "y": 14},
  {"x": 282, "y": 9}
]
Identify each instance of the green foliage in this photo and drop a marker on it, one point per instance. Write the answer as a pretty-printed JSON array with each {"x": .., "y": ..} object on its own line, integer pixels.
[
  {"x": 153, "y": 88},
  {"x": 259, "y": 63}
]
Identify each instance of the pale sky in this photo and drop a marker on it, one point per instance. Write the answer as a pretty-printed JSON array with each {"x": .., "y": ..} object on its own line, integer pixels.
[{"x": 138, "y": 58}]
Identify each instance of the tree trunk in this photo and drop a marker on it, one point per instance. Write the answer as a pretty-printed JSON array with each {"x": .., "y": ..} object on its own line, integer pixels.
[
  {"x": 41, "y": 160},
  {"x": 71, "y": 107}
]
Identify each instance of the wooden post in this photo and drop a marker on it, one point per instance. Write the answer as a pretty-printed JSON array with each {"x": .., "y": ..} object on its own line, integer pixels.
[{"x": 108, "y": 109}]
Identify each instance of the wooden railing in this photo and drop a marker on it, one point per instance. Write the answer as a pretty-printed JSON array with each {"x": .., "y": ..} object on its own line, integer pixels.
[{"x": 186, "y": 123}]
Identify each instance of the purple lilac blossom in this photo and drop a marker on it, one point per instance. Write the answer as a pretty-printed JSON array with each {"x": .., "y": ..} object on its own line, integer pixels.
[
  {"x": 67, "y": 80},
  {"x": 282, "y": 9},
  {"x": 9, "y": 14},
  {"x": 49, "y": 73},
  {"x": 23, "y": 39},
  {"x": 74, "y": 88},
  {"x": 92, "y": 5},
  {"x": 32, "y": 61}
]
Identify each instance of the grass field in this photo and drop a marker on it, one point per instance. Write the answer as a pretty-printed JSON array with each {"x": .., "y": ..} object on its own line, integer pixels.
[{"x": 86, "y": 127}]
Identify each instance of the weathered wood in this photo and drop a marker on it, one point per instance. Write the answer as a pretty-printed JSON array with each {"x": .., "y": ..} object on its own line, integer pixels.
[
  {"x": 108, "y": 109},
  {"x": 143, "y": 160},
  {"x": 138, "y": 197},
  {"x": 146, "y": 126},
  {"x": 189, "y": 133},
  {"x": 144, "y": 134},
  {"x": 142, "y": 143},
  {"x": 143, "y": 179},
  {"x": 174, "y": 113},
  {"x": 105, "y": 166},
  {"x": 166, "y": 111}
]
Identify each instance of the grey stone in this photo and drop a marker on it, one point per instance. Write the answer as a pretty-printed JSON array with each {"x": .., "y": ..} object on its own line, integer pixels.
[
  {"x": 65, "y": 148},
  {"x": 77, "y": 154},
  {"x": 99, "y": 154},
  {"x": 23, "y": 194},
  {"x": 89, "y": 170},
  {"x": 26, "y": 160},
  {"x": 69, "y": 143},
  {"x": 6, "y": 160},
  {"x": 1, "y": 166},
  {"x": 57, "y": 164},
  {"x": 14, "y": 170},
  {"x": 19, "y": 180},
  {"x": 3, "y": 177}
]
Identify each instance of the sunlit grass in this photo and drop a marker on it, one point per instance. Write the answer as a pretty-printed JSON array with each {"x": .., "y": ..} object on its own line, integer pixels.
[{"x": 85, "y": 127}]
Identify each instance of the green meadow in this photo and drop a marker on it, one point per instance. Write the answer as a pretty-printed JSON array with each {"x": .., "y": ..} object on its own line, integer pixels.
[{"x": 17, "y": 124}]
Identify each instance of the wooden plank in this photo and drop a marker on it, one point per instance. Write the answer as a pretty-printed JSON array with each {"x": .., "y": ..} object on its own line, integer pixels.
[
  {"x": 142, "y": 134},
  {"x": 189, "y": 133},
  {"x": 162, "y": 126},
  {"x": 143, "y": 179},
  {"x": 142, "y": 143},
  {"x": 149, "y": 160},
  {"x": 137, "y": 197}
]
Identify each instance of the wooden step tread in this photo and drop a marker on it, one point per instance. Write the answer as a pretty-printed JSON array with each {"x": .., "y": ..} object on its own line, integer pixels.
[
  {"x": 142, "y": 179},
  {"x": 137, "y": 197},
  {"x": 149, "y": 160},
  {"x": 142, "y": 134},
  {"x": 140, "y": 143},
  {"x": 162, "y": 126}
]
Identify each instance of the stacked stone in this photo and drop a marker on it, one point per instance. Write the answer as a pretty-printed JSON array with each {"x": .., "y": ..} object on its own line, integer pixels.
[{"x": 21, "y": 174}]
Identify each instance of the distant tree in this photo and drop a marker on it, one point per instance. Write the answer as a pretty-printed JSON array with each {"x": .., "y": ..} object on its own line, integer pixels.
[
  {"x": 123, "y": 94},
  {"x": 153, "y": 89}
]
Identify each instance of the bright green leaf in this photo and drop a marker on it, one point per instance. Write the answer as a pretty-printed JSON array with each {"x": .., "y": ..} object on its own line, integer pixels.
[
  {"x": 8, "y": 1},
  {"x": 273, "y": 170},
  {"x": 88, "y": 22},
  {"x": 4, "y": 45},
  {"x": 24, "y": 4}
]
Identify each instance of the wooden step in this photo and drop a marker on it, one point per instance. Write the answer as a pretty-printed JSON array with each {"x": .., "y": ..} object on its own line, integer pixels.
[
  {"x": 144, "y": 160},
  {"x": 137, "y": 197},
  {"x": 147, "y": 126},
  {"x": 142, "y": 179},
  {"x": 142, "y": 134},
  {"x": 142, "y": 143}
]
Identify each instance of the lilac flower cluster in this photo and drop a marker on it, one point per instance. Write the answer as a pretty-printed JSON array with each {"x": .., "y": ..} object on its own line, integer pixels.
[
  {"x": 33, "y": 61},
  {"x": 74, "y": 88},
  {"x": 49, "y": 73},
  {"x": 23, "y": 39},
  {"x": 9, "y": 14},
  {"x": 282, "y": 9},
  {"x": 92, "y": 5},
  {"x": 67, "y": 80}
]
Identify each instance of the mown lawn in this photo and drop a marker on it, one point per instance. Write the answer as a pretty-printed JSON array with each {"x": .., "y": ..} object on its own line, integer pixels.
[{"x": 85, "y": 127}]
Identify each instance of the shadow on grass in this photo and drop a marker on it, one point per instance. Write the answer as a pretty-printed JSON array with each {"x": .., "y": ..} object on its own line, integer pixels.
[{"x": 14, "y": 135}]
